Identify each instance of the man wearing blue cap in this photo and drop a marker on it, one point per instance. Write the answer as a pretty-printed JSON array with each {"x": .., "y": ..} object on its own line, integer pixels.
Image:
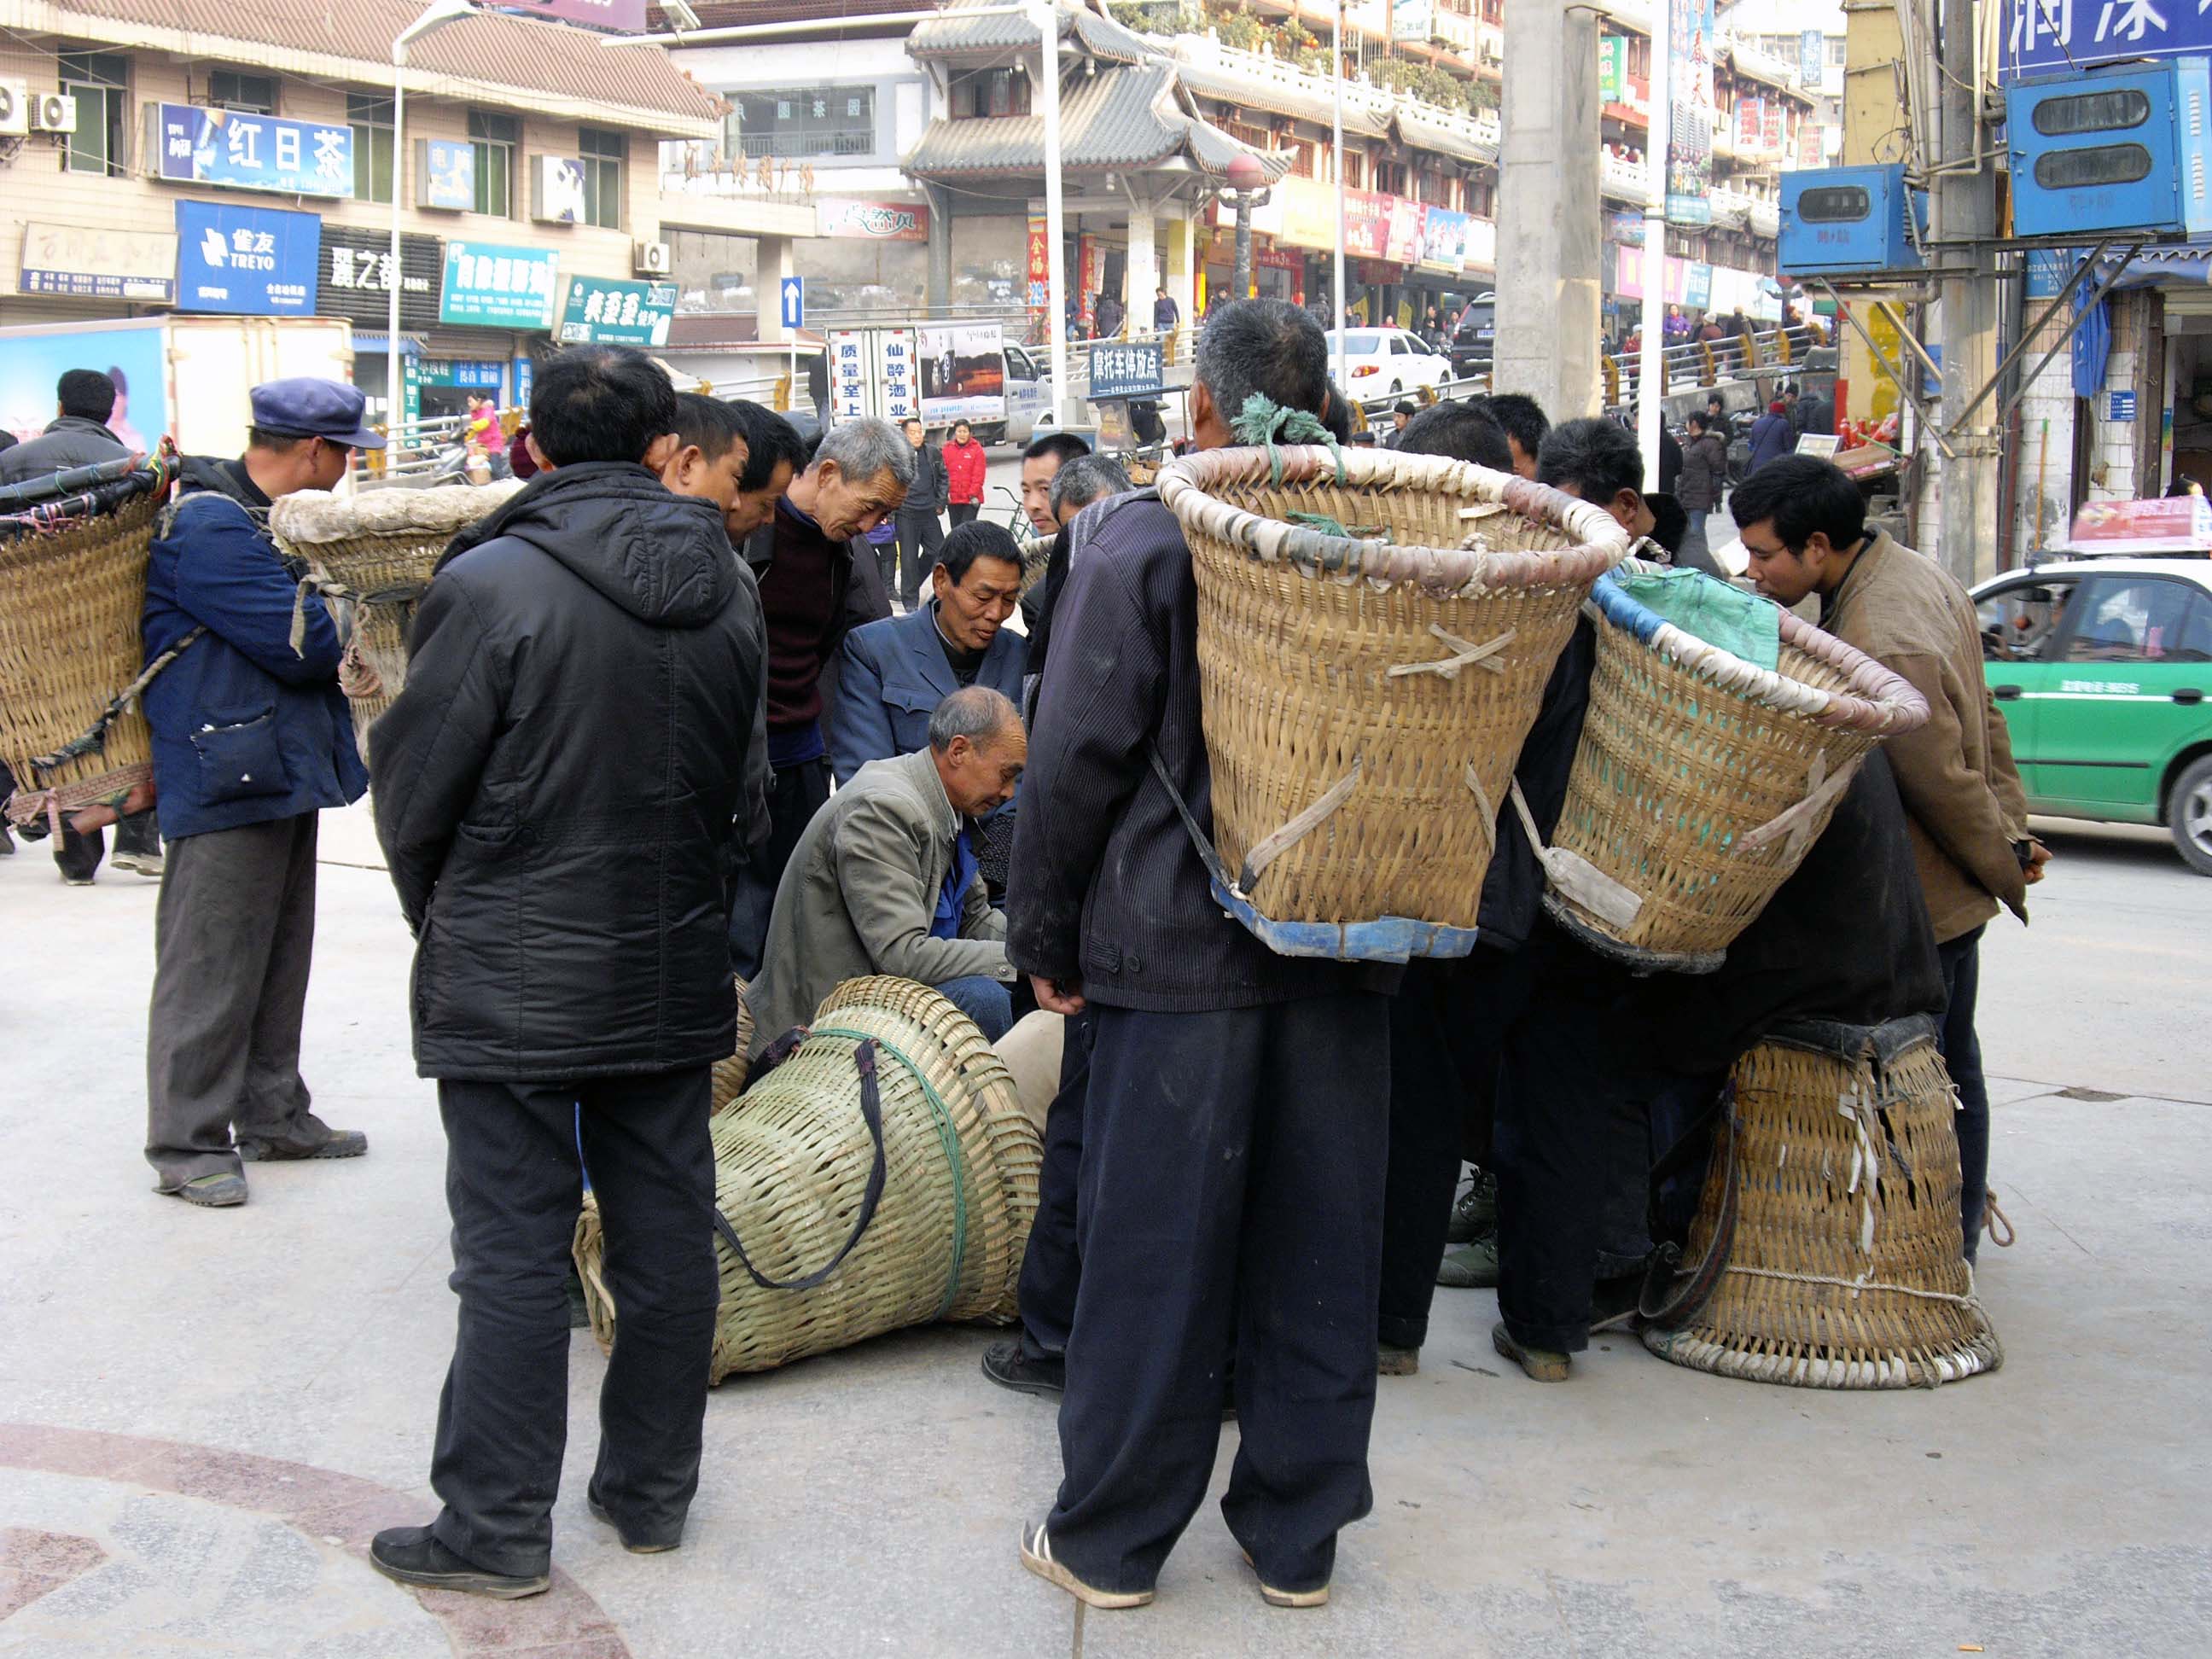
[{"x": 252, "y": 739}]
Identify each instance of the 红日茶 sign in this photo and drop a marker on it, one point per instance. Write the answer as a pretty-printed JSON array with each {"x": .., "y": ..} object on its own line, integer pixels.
[{"x": 246, "y": 151}]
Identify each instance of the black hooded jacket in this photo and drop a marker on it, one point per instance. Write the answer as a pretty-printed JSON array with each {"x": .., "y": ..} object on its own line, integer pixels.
[{"x": 557, "y": 787}]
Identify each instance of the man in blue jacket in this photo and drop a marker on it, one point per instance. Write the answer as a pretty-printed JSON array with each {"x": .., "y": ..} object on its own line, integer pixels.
[{"x": 252, "y": 739}]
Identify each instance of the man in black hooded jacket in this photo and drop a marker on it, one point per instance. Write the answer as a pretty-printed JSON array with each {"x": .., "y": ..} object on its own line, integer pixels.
[{"x": 557, "y": 790}]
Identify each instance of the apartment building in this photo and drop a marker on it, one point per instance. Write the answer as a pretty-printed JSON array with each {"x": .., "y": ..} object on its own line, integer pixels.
[{"x": 527, "y": 178}]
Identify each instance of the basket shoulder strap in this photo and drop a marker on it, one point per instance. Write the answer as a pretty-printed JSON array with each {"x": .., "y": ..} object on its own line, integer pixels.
[
  {"x": 1658, "y": 1307},
  {"x": 871, "y": 1111},
  {"x": 1206, "y": 856}
]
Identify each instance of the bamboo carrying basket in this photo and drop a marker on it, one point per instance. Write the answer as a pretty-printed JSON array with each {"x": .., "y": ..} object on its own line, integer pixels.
[
  {"x": 370, "y": 555},
  {"x": 730, "y": 1074},
  {"x": 1701, "y": 779},
  {"x": 1843, "y": 1265},
  {"x": 70, "y": 603},
  {"x": 1365, "y": 696},
  {"x": 793, "y": 1160}
]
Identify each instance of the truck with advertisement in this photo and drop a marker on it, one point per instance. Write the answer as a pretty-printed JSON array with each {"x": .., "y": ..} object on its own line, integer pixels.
[
  {"x": 182, "y": 377},
  {"x": 943, "y": 373}
]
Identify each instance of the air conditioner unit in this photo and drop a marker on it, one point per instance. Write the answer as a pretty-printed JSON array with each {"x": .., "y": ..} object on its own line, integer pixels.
[
  {"x": 52, "y": 111},
  {"x": 653, "y": 260},
  {"x": 15, "y": 108}
]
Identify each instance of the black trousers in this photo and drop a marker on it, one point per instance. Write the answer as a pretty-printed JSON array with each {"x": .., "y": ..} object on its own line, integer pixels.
[
  {"x": 920, "y": 535},
  {"x": 513, "y": 1189},
  {"x": 1961, "y": 1048},
  {"x": 793, "y": 798},
  {"x": 962, "y": 512},
  {"x": 1231, "y": 1205},
  {"x": 233, "y": 940},
  {"x": 1447, "y": 1024},
  {"x": 80, "y": 851},
  {"x": 1051, "y": 1264}
]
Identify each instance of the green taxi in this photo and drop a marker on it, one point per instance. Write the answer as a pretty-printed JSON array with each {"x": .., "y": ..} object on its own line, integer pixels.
[{"x": 2102, "y": 668}]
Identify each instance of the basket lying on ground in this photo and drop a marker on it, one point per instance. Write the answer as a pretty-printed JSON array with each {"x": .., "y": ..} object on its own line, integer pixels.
[
  {"x": 1365, "y": 696},
  {"x": 370, "y": 555},
  {"x": 843, "y": 1236},
  {"x": 70, "y": 600},
  {"x": 1839, "y": 1261},
  {"x": 1702, "y": 778}
]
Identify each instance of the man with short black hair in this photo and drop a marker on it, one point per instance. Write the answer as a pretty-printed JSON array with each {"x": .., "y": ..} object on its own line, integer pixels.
[
  {"x": 1085, "y": 479},
  {"x": 1463, "y": 429},
  {"x": 76, "y": 436},
  {"x": 813, "y": 592},
  {"x": 1041, "y": 463},
  {"x": 920, "y": 532},
  {"x": 557, "y": 791},
  {"x": 1802, "y": 521},
  {"x": 1525, "y": 425},
  {"x": 1596, "y": 460},
  {"x": 1232, "y": 1132},
  {"x": 1400, "y": 412},
  {"x": 774, "y": 456},
  {"x": 252, "y": 737}
]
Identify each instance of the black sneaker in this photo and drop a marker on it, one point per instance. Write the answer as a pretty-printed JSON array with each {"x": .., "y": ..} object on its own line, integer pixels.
[
  {"x": 1476, "y": 1215},
  {"x": 634, "y": 1544},
  {"x": 412, "y": 1555},
  {"x": 1006, "y": 1365},
  {"x": 343, "y": 1143}
]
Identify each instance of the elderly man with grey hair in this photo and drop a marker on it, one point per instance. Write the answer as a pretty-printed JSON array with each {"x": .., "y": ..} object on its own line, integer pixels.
[
  {"x": 1235, "y": 1116},
  {"x": 884, "y": 880},
  {"x": 1085, "y": 479},
  {"x": 817, "y": 582}
]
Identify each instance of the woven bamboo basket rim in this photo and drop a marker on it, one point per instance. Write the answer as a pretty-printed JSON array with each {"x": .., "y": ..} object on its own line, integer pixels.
[
  {"x": 1879, "y": 701},
  {"x": 1192, "y": 486}
]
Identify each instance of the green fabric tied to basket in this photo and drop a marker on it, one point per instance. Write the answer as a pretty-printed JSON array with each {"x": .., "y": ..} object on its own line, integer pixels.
[{"x": 1717, "y": 612}]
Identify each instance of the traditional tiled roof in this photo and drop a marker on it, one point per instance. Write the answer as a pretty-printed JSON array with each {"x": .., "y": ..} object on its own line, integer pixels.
[
  {"x": 953, "y": 34},
  {"x": 1118, "y": 117}
]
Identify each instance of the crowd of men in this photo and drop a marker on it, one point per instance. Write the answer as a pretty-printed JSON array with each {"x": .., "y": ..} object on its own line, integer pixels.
[{"x": 1249, "y": 1183}]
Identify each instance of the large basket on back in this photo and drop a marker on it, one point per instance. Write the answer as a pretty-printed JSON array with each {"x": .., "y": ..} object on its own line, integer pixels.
[
  {"x": 1701, "y": 779},
  {"x": 1365, "y": 696},
  {"x": 1840, "y": 1263},
  {"x": 71, "y": 601},
  {"x": 794, "y": 1163},
  {"x": 370, "y": 556}
]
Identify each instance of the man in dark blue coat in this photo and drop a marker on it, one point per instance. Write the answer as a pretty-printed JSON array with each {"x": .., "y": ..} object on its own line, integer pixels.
[
  {"x": 559, "y": 790},
  {"x": 252, "y": 739}
]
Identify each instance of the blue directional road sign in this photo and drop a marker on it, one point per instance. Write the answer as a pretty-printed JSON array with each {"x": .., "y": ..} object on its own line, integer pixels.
[{"x": 794, "y": 301}]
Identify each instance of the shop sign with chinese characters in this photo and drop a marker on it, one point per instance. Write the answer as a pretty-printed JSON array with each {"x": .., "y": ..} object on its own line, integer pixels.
[
  {"x": 606, "y": 312},
  {"x": 80, "y": 262},
  {"x": 247, "y": 261},
  {"x": 243, "y": 151},
  {"x": 874, "y": 222},
  {"x": 355, "y": 271},
  {"x": 494, "y": 287}
]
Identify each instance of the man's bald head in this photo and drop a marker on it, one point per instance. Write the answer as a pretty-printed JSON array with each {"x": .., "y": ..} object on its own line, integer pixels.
[{"x": 976, "y": 737}]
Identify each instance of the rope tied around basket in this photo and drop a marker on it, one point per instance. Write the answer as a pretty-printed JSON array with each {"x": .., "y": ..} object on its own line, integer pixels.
[
  {"x": 1262, "y": 420},
  {"x": 330, "y": 588},
  {"x": 1469, "y": 655},
  {"x": 94, "y": 738}
]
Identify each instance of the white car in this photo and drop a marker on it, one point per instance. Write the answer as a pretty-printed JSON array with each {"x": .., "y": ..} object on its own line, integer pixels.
[{"x": 1382, "y": 363}]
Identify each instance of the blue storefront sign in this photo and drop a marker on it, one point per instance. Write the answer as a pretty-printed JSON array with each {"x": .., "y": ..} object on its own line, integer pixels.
[
  {"x": 1118, "y": 370},
  {"x": 497, "y": 287},
  {"x": 449, "y": 176},
  {"x": 247, "y": 262},
  {"x": 2045, "y": 37},
  {"x": 252, "y": 152}
]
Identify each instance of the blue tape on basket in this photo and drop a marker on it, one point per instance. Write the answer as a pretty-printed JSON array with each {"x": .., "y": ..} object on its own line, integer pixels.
[{"x": 1386, "y": 939}]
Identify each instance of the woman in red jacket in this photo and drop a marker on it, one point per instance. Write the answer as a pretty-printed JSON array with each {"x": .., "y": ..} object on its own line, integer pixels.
[{"x": 963, "y": 474}]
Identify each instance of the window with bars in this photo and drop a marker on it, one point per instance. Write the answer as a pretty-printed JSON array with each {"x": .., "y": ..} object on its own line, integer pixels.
[
  {"x": 370, "y": 119},
  {"x": 603, "y": 154},
  {"x": 100, "y": 82},
  {"x": 256, "y": 94},
  {"x": 495, "y": 139},
  {"x": 831, "y": 121}
]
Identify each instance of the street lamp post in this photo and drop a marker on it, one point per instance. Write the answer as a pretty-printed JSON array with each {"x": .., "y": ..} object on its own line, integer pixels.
[
  {"x": 1247, "y": 189},
  {"x": 439, "y": 13}
]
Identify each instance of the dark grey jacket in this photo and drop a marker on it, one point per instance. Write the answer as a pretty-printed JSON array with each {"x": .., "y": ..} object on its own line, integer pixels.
[
  {"x": 72, "y": 441},
  {"x": 1105, "y": 886},
  {"x": 933, "y": 485},
  {"x": 557, "y": 787}
]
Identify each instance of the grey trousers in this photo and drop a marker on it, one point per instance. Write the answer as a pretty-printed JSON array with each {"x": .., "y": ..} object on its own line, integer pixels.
[{"x": 234, "y": 935}]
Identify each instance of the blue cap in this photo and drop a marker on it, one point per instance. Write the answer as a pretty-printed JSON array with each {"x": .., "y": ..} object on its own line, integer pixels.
[{"x": 308, "y": 407}]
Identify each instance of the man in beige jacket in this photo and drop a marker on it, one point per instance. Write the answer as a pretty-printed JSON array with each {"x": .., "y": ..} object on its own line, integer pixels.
[
  {"x": 883, "y": 879},
  {"x": 1803, "y": 523}
]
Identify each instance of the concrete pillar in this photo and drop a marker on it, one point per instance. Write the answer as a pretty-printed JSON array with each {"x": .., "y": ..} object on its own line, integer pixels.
[
  {"x": 1143, "y": 264},
  {"x": 1549, "y": 299},
  {"x": 1182, "y": 271},
  {"x": 941, "y": 247},
  {"x": 771, "y": 267}
]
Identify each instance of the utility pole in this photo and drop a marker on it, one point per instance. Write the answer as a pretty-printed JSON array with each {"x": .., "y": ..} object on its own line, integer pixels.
[
  {"x": 1651, "y": 368},
  {"x": 1966, "y": 203}
]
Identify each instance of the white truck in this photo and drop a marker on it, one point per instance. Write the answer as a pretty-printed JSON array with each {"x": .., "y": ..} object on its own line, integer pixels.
[{"x": 185, "y": 377}]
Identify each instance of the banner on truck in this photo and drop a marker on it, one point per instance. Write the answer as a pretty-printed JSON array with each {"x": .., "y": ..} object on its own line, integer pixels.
[
  {"x": 964, "y": 372},
  {"x": 31, "y": 361}
]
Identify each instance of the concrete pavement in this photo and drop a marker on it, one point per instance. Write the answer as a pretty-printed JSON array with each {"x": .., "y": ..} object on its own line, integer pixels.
[{"x": 208, "y": 1413}]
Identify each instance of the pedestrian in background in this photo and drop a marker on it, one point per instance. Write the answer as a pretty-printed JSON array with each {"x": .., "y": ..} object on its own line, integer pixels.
[
  {"x": 1109, "y": 316},
  {"x": 252, "y": 737},
  {"x": 560, "y": 855},
  {"x": 1705, "y": 477},
  {"x": 964, "y": 466},
  {"x": 920, "y": 531},
  {"x": 1771, "y": 436},
  {"x": 1167, "y": 316}
]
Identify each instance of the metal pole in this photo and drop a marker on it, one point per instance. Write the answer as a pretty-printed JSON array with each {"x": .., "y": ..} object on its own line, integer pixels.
[
  {"x": 1965, "y": 212},
  {"x": 1066, "y": 412},
  {"x": 393, "y": 405},
  {"x": 1651, "y": 375},
  {"x": 1243, "y": 279},
  {"x": 1336, "y": 136}
]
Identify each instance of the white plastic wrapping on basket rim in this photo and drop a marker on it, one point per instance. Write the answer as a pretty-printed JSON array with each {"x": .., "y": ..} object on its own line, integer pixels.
[{"x": 318, "y": 515}]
